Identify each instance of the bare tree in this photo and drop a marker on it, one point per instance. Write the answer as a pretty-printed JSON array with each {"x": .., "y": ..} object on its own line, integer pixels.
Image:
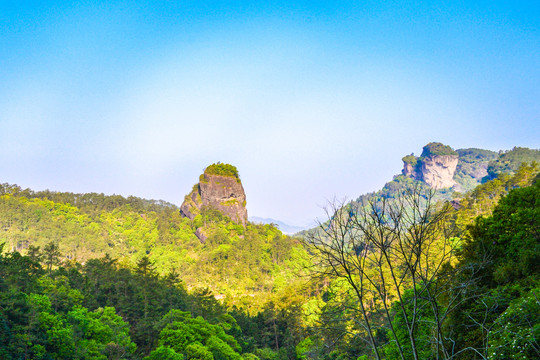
[{"x": 393, "y": 255}]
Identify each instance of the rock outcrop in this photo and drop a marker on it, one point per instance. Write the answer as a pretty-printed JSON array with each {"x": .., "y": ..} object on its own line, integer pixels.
[
  {"x": 219, "y": 188},
  {"x": 436, "y": 166},
  {"x": 408, "y": 170},
  {"x": 438, "y": 171}
]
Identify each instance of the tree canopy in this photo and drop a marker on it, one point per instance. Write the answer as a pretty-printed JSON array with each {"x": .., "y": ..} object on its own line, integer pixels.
[{"x": 222, "y": 170}]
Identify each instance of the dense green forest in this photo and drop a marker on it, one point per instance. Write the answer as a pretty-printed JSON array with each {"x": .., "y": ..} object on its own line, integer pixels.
[
  {"x": 244, "y": 265},
  {"x": 404, "y": 273},
  {"x": 101, "y": 310}
]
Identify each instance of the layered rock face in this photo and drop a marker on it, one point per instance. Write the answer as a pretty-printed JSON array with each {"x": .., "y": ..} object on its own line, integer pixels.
[
  {"x": 436, "y": 166},
  {"x": 438, "y": 171},
  {"x": 224, "y": 193},
  {"x": 408, "y": 170}
]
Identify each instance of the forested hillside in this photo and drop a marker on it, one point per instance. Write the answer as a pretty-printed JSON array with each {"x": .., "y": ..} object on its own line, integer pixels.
[
  {"x": 410, "y": 277},
  {"x": 102, "y": 310},
  {"x": 243, "y": 264},
  {"x": 398, "y": 274},
  {"x": 475, "y": 167}
]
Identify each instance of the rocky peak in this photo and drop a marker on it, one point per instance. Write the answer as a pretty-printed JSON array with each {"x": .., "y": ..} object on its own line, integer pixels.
[
  {"x": 436, "y": 166},
  {"x": 220, "y": 188},
  {"x": 438, "y": 170},
  {"x": 410, "y": 163}
]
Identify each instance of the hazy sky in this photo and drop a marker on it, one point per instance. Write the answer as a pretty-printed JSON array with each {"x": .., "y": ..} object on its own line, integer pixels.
[{"x": 309, "y": 99}]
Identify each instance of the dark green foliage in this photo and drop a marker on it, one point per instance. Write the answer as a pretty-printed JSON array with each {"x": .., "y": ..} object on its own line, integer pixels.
[
  {"x": 422, "y": 333},
  {"x": 222, "y": 170},
  {"x": 510, "y": 238},
  {"x": 516, "y": 333},
  {"x": 437, "y": 149},
  {"x": 44, "y": 319},
  {"x": 502, "y": 252}
]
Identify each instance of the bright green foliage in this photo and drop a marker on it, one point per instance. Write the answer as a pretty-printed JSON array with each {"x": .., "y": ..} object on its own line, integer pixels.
[
  {"x": 234, "y": 261},
  {"x": 46, "y": 332},
  {"x": 222, "y": 170},
  {"x": 249, "y": 356},
  {"x": 100, "y": 334},
  {"x": 303, "y": 347},
  {"x": 483, "y": 199},
  {"x": 221, "y": 350},
  {"x": 164, "y": 353},
  {"x": 197, "y": 351},
  {"x": 185, "y": 335},
  {"x": 410, "y": 159}
]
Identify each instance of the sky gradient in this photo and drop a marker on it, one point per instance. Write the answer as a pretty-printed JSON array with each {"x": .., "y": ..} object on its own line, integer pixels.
[{"x": 311, "y": 100}]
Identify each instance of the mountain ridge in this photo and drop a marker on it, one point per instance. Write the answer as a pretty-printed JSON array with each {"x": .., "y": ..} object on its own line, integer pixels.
[{"x": 284, "y": 227}]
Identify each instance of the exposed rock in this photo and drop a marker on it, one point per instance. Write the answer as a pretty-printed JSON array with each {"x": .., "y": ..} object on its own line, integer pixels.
[
  {"x": 221, "y": 192},
  {"x": 436, "y": 166},
  {"x": 456, "y": 204},
  {"x": 201, "y": 235},
  {"x": 438, "y": 171},
  {"x": 408, "y": 170}
]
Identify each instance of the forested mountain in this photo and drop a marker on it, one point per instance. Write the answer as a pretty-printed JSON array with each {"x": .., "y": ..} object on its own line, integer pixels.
[
  {"x": 411, "y": 277},
  {"x": 414, "y": 271},
  {"x": 234, "y": 261},
  {"x": 472, "y": 167}
]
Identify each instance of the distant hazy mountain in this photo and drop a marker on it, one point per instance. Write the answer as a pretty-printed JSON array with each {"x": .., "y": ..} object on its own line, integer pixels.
[{"x": 285, "y": 228}]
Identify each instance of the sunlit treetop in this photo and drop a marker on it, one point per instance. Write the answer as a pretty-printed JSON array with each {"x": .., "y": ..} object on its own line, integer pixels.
[
  {"x": 222, "y": 170},
  {"x": 437, "y": 149}
]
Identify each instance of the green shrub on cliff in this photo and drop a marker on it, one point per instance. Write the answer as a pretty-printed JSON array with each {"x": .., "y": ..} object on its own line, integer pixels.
[
  {"x": 437, "y": 149},
  {"x": 410, "y": 159},
  {"x": 222, "y": 170}
]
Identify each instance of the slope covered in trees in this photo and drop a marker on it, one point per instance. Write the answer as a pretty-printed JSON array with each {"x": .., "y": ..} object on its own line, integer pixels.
[
  {"x": 102, "y": 310},
  {"x": 244, "y": 264},
  {"x": 411, "y": 278},
  {"x": 400, "y": 274}
]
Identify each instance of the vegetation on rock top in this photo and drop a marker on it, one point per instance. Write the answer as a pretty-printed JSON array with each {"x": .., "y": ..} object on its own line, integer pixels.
[
  {"x": 222, "y": 170},
  {"x": 410, "y": 159},
  {"x": 437, "y": 149}
]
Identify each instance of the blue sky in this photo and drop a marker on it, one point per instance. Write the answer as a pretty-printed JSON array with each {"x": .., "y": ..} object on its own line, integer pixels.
[{"x": 311, "y": 100}]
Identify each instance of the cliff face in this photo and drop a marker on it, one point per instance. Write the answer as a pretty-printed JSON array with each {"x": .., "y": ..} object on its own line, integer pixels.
[
  {"x": 223, "y": 193},
  {"x": 408, "y": 170},
  {"x": 436, "y": 166},
  {"x": 438, "y": 171}
]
